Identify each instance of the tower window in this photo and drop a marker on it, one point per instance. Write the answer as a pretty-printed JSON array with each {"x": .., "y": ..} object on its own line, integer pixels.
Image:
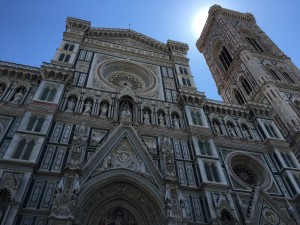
[
  {"x": 287, "y": 77},
  {"x": 225, "y": 58},
  {"x": 274, "y": 74},
  {"x": 196, "y": 117},
  {"x": 61, "y": 57},
  {"x": 66, "y": 47},
  {"x": 185, "y": 71},
  {"x": 183, "y": 81},
  {"x": 69, "y": 47},
  {"x": 254, "y": 44},
  {"x": 180, "y": 69},
  {"x": 67, "y": 58},
  {"x": 239, "y": 97},
  {"x": 246, "y": 86},
  {"x": 188, "y": 81}
]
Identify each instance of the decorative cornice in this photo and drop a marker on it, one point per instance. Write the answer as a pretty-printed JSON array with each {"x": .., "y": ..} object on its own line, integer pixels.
[{"x": 213, "y": 13}]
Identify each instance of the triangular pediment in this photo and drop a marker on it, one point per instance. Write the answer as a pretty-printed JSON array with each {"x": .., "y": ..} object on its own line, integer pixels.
[
  {"x": 268, "y": 210},
  {"x": 128, "y": 38},
  {"x": 123, "y": 151}
]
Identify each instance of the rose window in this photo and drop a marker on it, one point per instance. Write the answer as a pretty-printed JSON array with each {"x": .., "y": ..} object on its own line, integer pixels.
[
  {"x": 245, "y": 174},
  {"x": 121, "y": 80}
]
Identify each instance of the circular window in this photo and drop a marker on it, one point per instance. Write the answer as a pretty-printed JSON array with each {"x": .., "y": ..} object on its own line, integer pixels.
[
  {"x": 118, "y": 74},
  {"x": 245, "y": 174},
  {"x": 247, "y": 170}
]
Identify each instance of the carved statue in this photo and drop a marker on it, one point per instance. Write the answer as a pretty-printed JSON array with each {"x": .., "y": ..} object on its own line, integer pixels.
[
  {"x": 104, "y": 109},
  {"x": 181, "y": 202},
  {"x": 126, "y": 113},
  {"x": 71, "y": 104},
  {"x": 175, "y": 122},
  {"x": 216, "y": 126},
  {"x": 146, "y": 117},
  {"x": 168, "y": 203},
  {"x": 88, "y": 107},
  {"x": 161, "y": 120},
  {"x": 18, "y": 97}
]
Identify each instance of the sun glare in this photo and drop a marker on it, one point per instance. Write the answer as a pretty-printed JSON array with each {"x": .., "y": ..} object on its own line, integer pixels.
[{"x": 199, "y": 20}]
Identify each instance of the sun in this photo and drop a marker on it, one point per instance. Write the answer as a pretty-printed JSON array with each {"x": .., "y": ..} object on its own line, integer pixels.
[{"x": 199, "y": 20}]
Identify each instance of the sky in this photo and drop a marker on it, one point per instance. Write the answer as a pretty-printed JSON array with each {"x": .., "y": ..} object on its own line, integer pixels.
[{"x": 32, "y": 30}]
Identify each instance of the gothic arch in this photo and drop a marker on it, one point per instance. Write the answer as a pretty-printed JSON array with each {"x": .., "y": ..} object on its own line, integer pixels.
[{"x": 120, "y": 188}]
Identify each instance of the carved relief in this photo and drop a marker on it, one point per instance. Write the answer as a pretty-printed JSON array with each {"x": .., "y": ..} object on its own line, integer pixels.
[{"x": 123, "y": 157}]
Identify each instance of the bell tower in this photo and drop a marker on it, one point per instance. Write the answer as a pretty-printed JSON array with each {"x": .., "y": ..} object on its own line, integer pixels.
[{"x": 249, "y": 68}]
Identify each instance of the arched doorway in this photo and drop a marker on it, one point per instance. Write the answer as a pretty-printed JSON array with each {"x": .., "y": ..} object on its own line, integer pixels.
[{"x": 120, "y": 198}]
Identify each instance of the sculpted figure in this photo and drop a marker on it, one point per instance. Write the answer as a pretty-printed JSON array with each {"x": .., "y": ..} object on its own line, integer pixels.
[
  {"x": 104, "y": 109},
  {"x": 71, "y": 104},
  {"x": 175, "y": 122},
  {"x": 88, "y": 107},
  {"x": 146, "y": 117},
  {"x": 18, "y": 97},
  {"x": 161, "y": 120}
]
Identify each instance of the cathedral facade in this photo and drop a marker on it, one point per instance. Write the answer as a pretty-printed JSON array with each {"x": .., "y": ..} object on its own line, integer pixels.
[{"x": 114, "y": 132}]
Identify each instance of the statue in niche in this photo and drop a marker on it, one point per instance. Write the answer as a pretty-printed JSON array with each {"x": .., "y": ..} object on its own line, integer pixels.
[
  {"x": 146, "y": 117},
  {"x": 126, "y": 111},
  {"x": 175, "y": 121},
  {"x": 151, "y": 144},
  {"x": 161, "y": 120},
  {"x": 104, "y": 109},
  {"x": 18, "y": 96},
  {"x": 182, "y": 205},
  {"x": 88, "y": 107},
  {"x": 216, "y": 126},
  {"x": 168, "y": 203},
  {"x": 71, "y": 104}
]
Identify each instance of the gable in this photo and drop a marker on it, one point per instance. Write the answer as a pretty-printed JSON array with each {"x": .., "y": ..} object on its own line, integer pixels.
[{"x": 123, "y": 151}]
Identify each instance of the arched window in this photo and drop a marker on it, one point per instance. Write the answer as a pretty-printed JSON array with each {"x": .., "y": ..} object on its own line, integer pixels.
[
  {"x": 188, "y": 81},
  {"x": 287, "y": 77},
  {"x": 185, "y": 71},
  {"x": 71, "y": 48},
  {"x": 274, "y": 134},
  {"x": 205, "y": 148},
  {"x": 225, "y": 58},
  {"x": 273, "y": 73},
  {"x": 66, "y": 47},
  {"x": 180, "y": 69},
  {"x": 35, "y": 124},
  {"x": 254, "y": 44},
  {"x": 183, "y": 81},
  {"x": 239, "y": 97},
  {"x": 24, "y": 149},
  {"x": 67, "y": 58},
  {"x": 61, "y": 57},
  {"x": 48, "y": 94},
  {"x": 217, "y": 126},
  {"x": 288, "y": 160},
  {"x": 231, "y": 129},
  {"x": 211, "y": 172},
  {"x": 196, "y": 117},
  {"x": 261, "y": 131},
  {"x": 246, "y": 131},
  {"x": 246, "y": 86}
]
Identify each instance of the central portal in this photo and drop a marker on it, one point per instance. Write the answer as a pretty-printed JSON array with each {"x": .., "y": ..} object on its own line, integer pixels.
[{"x": 118, "y": 216}]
